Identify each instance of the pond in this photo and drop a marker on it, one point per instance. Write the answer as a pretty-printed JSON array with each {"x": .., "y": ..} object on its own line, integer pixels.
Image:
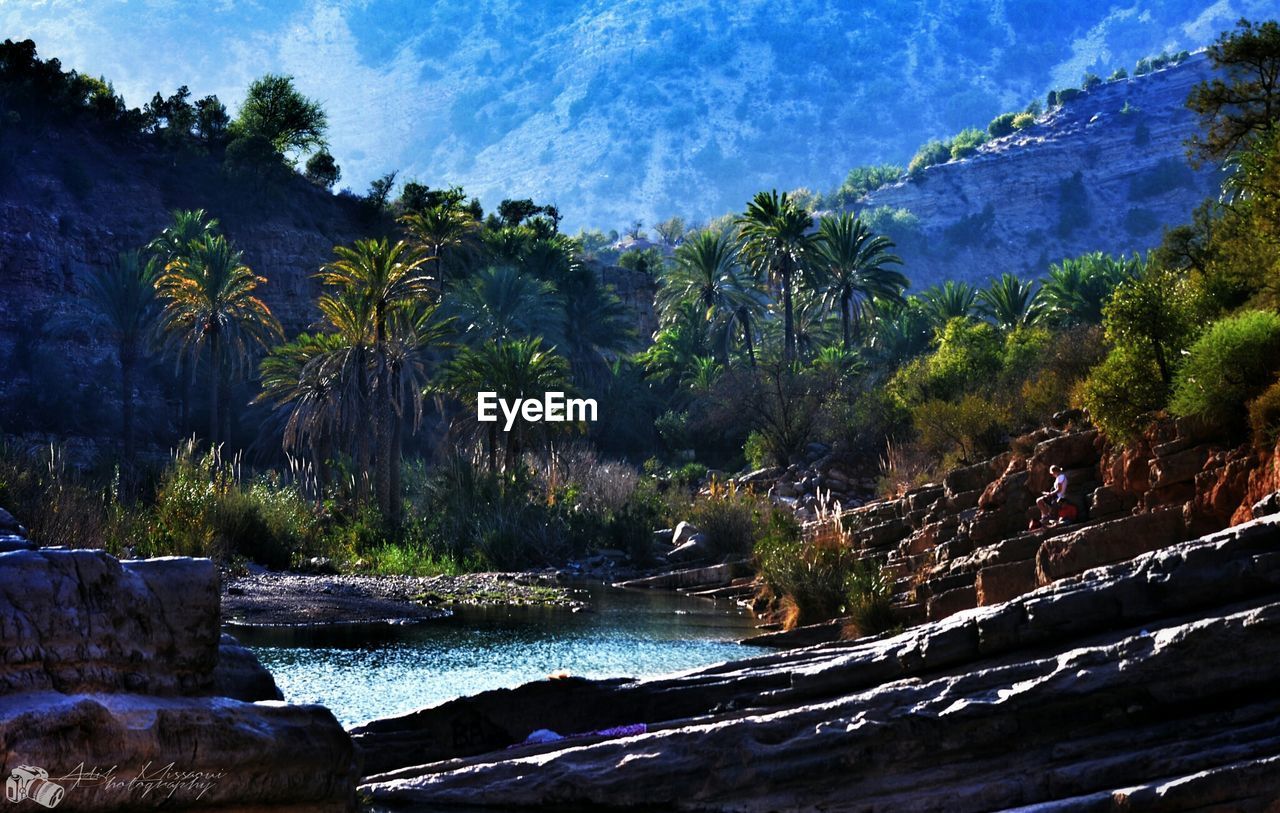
[{"x": 363, "y": 673}]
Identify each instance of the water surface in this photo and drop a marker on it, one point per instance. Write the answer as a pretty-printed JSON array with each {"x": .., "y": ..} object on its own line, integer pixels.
[{"x": 362, "y": 673}]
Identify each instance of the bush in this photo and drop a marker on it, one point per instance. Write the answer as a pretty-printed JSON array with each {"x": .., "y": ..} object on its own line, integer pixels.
[
  {"x": 1117, "y": 74},
  {"x": 1067, "y": 94},
  {"x": 1264, "y": 416},
  {"x": 756, "y": 450},
  {"x": 1231, "y": 363},
  {"x": 1090, "y": 81},
  {"x": 960, "y": 432},
  {"x": 933, "y": 152},
  {"x": 1002, "y": 125},
  {"x": 732, "y": 520},
  {"x": 1023, "y": 120},
  {"x": 1122, "y": 392},
  {"x": 966, "y": 143}
]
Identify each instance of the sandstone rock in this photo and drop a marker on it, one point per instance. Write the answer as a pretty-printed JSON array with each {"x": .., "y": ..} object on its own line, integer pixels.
[
  {"x": 1000, "y": 583},
  {"x": 77, "y": 621},
  {"x": 950, "y": 602},
  {"x": 240, "y": 676},
  {"x": 122, "y": 663},
  {"x": 1074, "y": 450},
  {"x": 1181, "y": 467},
  {"x": 1107, "y": 542},
  {"x": 1098, "y": 692}
]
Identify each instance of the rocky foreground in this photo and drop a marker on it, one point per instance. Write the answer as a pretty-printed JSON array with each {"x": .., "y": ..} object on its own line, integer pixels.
[
  {"x": 1144, "y": 685},
  {"x": 118, "y": 688}
]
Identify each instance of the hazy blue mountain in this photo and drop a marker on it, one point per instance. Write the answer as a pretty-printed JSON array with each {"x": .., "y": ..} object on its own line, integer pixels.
[{"x": 631, "y": 109}]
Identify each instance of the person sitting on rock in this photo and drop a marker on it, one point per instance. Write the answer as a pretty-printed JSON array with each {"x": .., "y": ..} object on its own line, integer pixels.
[{"x": 1048, "y": 501}]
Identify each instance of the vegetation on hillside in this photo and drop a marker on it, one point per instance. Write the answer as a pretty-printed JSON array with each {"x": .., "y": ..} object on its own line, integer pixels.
[{"x": 775, "y": 331}]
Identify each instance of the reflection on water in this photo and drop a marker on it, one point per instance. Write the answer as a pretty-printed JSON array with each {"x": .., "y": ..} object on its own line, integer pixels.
[{"x": 362, "y": 673}]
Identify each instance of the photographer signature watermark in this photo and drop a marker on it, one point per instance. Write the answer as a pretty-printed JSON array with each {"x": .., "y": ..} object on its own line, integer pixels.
[
  {"x": 554, "y": 407},
  {"x": 151, "y": 781}
]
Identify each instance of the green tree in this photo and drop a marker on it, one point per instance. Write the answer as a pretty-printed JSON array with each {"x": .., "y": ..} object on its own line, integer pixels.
[
  {"x": 1010, "y": 303},
  {"x": 951, "y": 300},
  {"x": 122, "y": 301},
  {"x": 448, "y": 232},
  {"x": 1156, "y": 313},
  {"x": 322, "y": 170},
  {"x": 1076, "y": 289},
  {"x": 501, "y": 304},
  {"x": 707, "y": 275},
  {"x": 1243, "y": 99},
  {"x": 386, "y": 278},
  {"x": 852, "y": 269},
  {"x": 211, "y": 308},
  {"x": 1230, "y": 364},
  {"x": 776, "y": 244},
  {"x": 275, "y": 110},
  {"x": 516, "y": 369}
]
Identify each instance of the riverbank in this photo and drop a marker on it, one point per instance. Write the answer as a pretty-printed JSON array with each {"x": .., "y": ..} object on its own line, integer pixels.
[{"x": 270, "y": 598}]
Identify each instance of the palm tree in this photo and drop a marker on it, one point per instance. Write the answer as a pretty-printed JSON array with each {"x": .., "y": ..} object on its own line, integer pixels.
[
  {"x": 951, "y": 300},
  {"x": 303, "y": 380},
  {"x": 519, "y": 368},
  {"x": 502, "y": 303},
  {"x": 1075, "y": 290},
  {"x": 186, "y": 227},
  {"x": 775, "y": 243},
  {"x": 381, "y": 277},
  {"x": 211, "y": 308},
  {"x": 676, "y": 346},
  {"x": 900, "y": 331},
  {"x": 706, "y": 275},
  {"x": 597, "y": 326},
  {"x": 1011, "y": 303},
  {"x": 122, "y": 301},
  {"x": 447, "y": 232},
  {"x": 853, "y": 269}
]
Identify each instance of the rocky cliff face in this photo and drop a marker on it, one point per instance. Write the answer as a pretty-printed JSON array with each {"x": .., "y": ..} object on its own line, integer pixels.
[
  {"x": 1104, "y": 172},
  {"x": 1142, "y": 686},
  {"x": 118, "y": 686}
]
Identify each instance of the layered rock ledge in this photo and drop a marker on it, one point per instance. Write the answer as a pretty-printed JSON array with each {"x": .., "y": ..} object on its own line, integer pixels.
[
  {"x": 117, "y": 683},
  {"x": 1140, "y": 686}
]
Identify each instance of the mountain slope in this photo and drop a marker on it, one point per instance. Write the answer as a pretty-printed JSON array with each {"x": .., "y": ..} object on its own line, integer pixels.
[
  {"x": 630, "y": 108},
  {"x": 1104, "y": 172}
]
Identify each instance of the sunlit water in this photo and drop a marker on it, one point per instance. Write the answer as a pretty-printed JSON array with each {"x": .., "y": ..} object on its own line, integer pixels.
[{"x": 365, "y": 673}]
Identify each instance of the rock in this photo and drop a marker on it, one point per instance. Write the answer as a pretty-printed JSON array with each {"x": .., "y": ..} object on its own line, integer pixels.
[
  {"x": 122, "y": 664},
  {"x": 1074, "y": 450},
  {"x": 1267, "y": 506},
  {"x": 694, "y": 548},
  {"x": 320, "y": 566},
  {"x": 663, "y": 536},
  {"x": 764, "y": 475},
  {"x": 1107, "y": 690},
  {"x": 240, "y": 676},
  {"x": 710, "y": 576},
  {"x": 1000, "y": 583},
  {"x": 950, "y": 602},
  {"x": 684, "y": 532},
  {"x": 971, "y": 478},
  {"x": 9, "y": 525},
  {"x": 1107, "y": 542},
  {"x": 1181, "y": 467}
]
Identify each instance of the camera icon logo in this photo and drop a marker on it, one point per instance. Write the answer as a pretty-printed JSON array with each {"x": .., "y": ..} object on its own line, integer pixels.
[{"x": 29, "y": 782}]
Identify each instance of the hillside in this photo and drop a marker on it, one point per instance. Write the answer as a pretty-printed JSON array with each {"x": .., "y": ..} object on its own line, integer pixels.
[
  {"x": 1106, "y": 171},
  {"x": 73, "y": 201},
  {"x": 634, "y": 109}
]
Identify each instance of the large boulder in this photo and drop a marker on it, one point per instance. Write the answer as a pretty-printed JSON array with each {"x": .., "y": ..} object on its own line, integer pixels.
[
  {"x": 1147, "y": 685},
  {"x": 123, "y": 664},
  {"x": 1107, "y": 542}
]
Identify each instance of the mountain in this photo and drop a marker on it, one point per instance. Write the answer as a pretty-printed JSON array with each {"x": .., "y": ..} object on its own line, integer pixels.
[
  {"x": 1106, "y": 171},
  {"x": 632, "y": 108}
]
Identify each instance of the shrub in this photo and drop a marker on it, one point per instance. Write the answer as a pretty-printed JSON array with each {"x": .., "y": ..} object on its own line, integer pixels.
[
  {"x": 1264, "y": 416},
  {"x": 1122, "y": 392},
  {"x": 870, "y": 601},
  {"x": 1067, "y": 94},
  {"x": 755, "y": 450},
  {"x": 862, "y": 180},
  {"x": 811, "y": 576},
  {"x": 962, "y": 431},
  {"x": 966, "y": 143},
  {"x": 1002, "y": 125},
  {"x": 731, "y": 520},
  {"x": 1231, "y": 363},
  {"x": 1023, "y": 120},
  {"x": 1117, "y": 74},
  {"x": 1090, "y": 81},
  {"x": 933, "y": 152}
]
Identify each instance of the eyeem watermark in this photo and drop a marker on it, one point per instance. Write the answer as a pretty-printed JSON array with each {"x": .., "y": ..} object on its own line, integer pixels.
[{"x": 554, "y": 407}]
